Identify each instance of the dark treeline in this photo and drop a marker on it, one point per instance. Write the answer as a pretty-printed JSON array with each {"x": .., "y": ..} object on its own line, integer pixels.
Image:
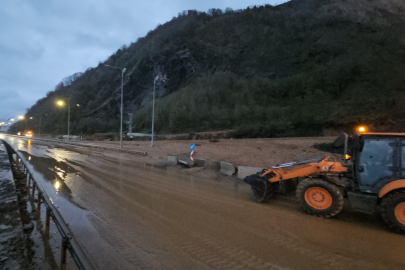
[{"x": 264, "y": 71}]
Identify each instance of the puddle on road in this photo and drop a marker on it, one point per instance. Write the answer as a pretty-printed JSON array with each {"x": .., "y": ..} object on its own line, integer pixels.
[{"x": 56, "y": 173}]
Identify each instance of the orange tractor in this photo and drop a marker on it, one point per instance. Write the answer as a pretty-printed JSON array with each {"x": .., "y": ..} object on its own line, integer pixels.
[{"x": 372, "y": 178}]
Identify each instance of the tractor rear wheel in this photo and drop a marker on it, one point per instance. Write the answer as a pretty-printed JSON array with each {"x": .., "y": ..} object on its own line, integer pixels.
[
  {"x": 393, "y": 210},
  {"x": 319, "y": 197}
]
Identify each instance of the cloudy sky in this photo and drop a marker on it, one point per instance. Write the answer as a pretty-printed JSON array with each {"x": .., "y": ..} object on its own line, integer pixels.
[{"x": 43, "y": 41}]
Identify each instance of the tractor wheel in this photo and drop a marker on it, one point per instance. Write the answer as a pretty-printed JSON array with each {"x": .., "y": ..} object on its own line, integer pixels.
[
  {"x": 319, "y": 197},
  {"x": 393, "y": 211}
]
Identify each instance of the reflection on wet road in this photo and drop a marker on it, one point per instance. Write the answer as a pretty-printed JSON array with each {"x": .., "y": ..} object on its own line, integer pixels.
[{"x": 133, "y": 216}]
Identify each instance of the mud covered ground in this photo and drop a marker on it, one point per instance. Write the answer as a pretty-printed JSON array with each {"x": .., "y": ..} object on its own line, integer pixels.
[
  {"x": 242, "y": 152},
  {"x": 131, "y": 215}
]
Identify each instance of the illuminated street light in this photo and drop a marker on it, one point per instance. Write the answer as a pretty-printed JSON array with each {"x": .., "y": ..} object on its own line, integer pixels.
[
  {"x": 21, "y": 117},
  {"x": 122, "y": 98},
  {"x": 12, "y": 119},
  {"x": 61, "y": 103}
]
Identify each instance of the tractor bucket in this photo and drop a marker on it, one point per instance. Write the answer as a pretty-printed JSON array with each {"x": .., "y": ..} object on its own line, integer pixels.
[{"x": 261, "y": 187}]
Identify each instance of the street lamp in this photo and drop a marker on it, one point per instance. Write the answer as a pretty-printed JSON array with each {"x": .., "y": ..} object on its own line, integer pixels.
[
  {"x": 21, "y": 117},
  {"x": 61, "y": 103},
  {"x": 158, "y": 78},
  {"x": 122, "y": 98}
]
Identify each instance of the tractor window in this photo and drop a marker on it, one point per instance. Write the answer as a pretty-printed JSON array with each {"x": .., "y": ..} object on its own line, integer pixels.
[
  {"x": 403, "y": 157},
  {"x": 375, "y": 161}
]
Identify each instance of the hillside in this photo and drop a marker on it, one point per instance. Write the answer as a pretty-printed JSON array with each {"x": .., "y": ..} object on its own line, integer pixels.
[{"x": 292, "y": 69}]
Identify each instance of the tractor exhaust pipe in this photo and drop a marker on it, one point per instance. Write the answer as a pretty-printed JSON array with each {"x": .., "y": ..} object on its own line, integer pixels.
[{"x": 346, "y": 146}]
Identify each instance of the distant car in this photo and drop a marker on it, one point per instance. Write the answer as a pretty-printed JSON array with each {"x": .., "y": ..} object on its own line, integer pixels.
[{"x": 25, "y": 133}]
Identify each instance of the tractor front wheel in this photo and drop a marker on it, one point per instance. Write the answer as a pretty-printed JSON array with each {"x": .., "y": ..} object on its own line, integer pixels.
[
  {"x": 393, "y": 211},
  {"x": 319, "y": 197}
]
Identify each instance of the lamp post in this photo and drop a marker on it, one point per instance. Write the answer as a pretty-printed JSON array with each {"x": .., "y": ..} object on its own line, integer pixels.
[
  {"x": 26, "y": 122},
  {"x": 153, "y": 106},
  {"x": 158, "y": 78},
  {"x": 122, "y": 98},
  {"x": 21, "y": 117},
  {"x": 61, "y": 103}
]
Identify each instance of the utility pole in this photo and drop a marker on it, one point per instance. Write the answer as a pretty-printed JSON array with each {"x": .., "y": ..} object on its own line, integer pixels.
[
  {"x": 122, "y": 98},
  {"x": 158, "y": 78},
  {"x": 68, "y": 118}
]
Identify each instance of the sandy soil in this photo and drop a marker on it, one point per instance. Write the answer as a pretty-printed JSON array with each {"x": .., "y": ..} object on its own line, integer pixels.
[{"x": 241, "y": 152}]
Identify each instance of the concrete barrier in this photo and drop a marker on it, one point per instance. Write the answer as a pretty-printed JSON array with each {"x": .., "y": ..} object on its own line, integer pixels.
[
  {"x": 212, "y": 165},
  {"x": 199, "y": 162},
  {"x": 227, "y": 168},
  {"x": 185, "y": 160},
  {"x": 244, "y": 171},
  {"x": 171, "y": 161}
]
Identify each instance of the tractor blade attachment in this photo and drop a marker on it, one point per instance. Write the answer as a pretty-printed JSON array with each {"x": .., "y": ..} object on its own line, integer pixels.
[{"x": 261, "y": 187}]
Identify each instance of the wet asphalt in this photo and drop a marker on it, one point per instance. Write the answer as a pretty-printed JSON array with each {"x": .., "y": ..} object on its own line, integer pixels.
[{"x": 129, "y": 215}]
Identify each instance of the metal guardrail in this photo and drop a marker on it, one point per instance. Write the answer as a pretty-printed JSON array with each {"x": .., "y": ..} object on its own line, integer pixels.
[
  {"x": 68, "y": 241},
  {"x": 81, "y": 144}
]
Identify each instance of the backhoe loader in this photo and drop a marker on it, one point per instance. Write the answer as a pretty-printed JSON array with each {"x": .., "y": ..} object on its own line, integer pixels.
[{"x": 371, "y": 177}]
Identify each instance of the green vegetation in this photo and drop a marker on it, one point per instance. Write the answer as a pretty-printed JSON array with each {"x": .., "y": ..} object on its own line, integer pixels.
[{"x": 266, "y": 71}]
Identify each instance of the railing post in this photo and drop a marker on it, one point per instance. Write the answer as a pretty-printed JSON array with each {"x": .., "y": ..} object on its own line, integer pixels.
[
  {"x": 39, "y": 204},
  {"x": 33, "y": 190},
  {"x": 47, "y": 220},
  {"x": 63, "y": 253}
]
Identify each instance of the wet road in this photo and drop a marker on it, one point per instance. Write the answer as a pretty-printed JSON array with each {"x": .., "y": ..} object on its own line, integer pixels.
[{"x": 133, "y": 216}]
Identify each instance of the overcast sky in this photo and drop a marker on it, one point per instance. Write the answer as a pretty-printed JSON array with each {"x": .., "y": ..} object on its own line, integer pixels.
[{"x": 43, "y": 41}]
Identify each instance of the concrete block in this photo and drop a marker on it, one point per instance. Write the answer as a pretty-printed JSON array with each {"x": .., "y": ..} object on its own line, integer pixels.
[
  {"x": 212, "y": 165},
  {"x": 244, "y": 171},
  {"x": 199, "y": 162},
  {"x": 227, "y": 168},
  {"x": 171, "y": 161},
  {"x": 185, "y": 160}
]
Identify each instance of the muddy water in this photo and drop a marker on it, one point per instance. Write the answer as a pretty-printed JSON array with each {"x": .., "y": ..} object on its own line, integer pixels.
[{"x": 130, "y": 216}]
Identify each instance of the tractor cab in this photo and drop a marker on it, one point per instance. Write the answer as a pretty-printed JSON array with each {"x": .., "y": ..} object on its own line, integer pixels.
[{"x": 378, "y": 159}]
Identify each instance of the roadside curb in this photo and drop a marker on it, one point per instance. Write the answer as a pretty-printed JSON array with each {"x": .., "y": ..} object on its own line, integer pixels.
[{"x": 227, "y": 168}]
